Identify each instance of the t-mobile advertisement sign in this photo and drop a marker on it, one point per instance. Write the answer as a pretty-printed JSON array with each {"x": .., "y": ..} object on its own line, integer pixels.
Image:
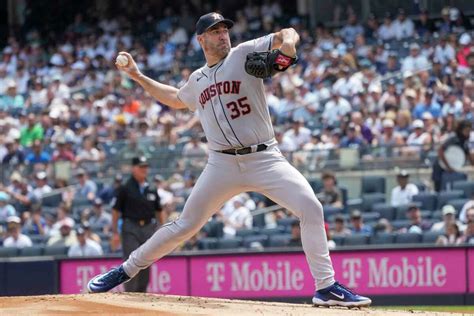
[
  {"x": 287, "y": 275},
  {"x": 470, "y": 259},
  {"x": 167, "y": 276}
]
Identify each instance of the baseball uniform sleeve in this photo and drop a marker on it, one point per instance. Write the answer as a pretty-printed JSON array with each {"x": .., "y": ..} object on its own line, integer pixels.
[
  {"x": 187, "y": 95},
  {"x": 260, "y": 44}
]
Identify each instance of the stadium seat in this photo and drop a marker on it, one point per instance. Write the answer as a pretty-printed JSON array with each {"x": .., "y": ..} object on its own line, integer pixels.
[
  {"x": 382, "y": 238},
  {"x": 52, "y": 200},
  {"x": 55, "y": 250},
  {"x": 400, "y": 223},
  {"x": 428, "y": 200},
  {"x": 345, "y": 194},
  {"x": 356, "y": 240},
  {"x": 372, "y": 184},
  {"x": 207, "y": 243},
  {"x": 316, "y": 185},
  {"x": 229, "y": 243},
  {"x": 370, "y": 199},
  {"x": 445, "y": 196},
  {"x": 331, "y": 210},
  {"x": 214, "y": 228},
  {"x": 247, "y": 232},
  {"x": 287, "y": 221},
  {"x": 259, "y": 220},
  {"x": 458, "y": 204},
  {"x": 385, "y": 210},
  {"x": 38, "y": 239},
  {"x": 7, "y": 252},
  {"x": 370, "y": 217},
  {"x": 279, "y": 240},
  {"x": 31, "y": 251},
  {"x": 272, "y": 231},
  {"x": 449, "y": 178},
  {"x": 430, "y": 237},
  {"x": 466, "y": 186},
  {"x": 249, "y": 240},
  {"x": 437, "y": 216},
  {"x": 339, "y": 240},
  {"x": 408, "y": 238}
]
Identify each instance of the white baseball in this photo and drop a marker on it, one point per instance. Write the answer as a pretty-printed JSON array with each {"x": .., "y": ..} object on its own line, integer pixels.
[{"x": 122, "y": 60}]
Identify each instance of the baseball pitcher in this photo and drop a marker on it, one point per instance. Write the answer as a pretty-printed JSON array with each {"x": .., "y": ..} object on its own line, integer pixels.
[{"x": 228, "y": 94}]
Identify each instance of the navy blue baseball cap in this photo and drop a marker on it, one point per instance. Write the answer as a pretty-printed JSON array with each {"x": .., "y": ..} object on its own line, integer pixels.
[{"x": 209, "y": 20}]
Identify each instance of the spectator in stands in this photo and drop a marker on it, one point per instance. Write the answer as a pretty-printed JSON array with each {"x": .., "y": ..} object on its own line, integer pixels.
[
  {"x": 31, "y": 132},
  {"x": 340, "y": 229},
  {"x": 330, "y": 193},
  {"x": 429, "y": 105},
  {"x": 99, "y": 217},
  {"x": 444, "y": 51},
  {"x": 449, "y": 216},
  {"x": 38, "y": 155},
  {"x": 461, "y": 140},
  {"x": 14, "y": 156},
  {"x": 62, "y": 217},
  {"x": 403, "y": 193},
  {"x": 195, "y": 148},
  {"x": 353, "y": 138},
  {"x": 84, "y": 247},
  {"x": 415, "y": 61},
  {"x": 417, "y": 224},
  {"x": 335, "y": 109},
  {"x": 468, "y": 236},
  {"x": 89, "y": 152},
  {"x": 35, "y": 223},
  {"x": 41, "y": 185},
  {"x": 89, "y": 233},
  {"x": 357, "y": 224},
  {"x": 403, "y": 27},
  {"x": 295, "y": 240},
  {"x": 452, "y": 236},
  {"x": 386, "y": 31},
  {"x": 353, "y": 29},
  {"x": 63, "y": 151},
  {"x": 108, "y": 192},
  {"x": 239, "y": 218},
  {"x": 6, "y": 210},
  {"x": 383, "y": 226},
  {"x": 418, "y": 141},
  {"x": 86, "y": 188},
  {"x": 467, "y": 212},
  {"x": 15, "y": 237},
  {"x": 66, "y": 236},
  {"x": 298, "y": 134},
  {"x": 12, "y": 102}
]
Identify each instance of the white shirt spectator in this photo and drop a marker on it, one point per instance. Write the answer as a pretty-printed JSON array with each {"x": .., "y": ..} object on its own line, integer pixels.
[
  {"x": 299, "y": 139},
  {"x": 403, "y": 196},
  {"x": 21, "y": 242},
  {"x": 411, "y": 63},
  {"x": 386, "y": 32},
  {"x": 444, "y": 53},
  {"x": 403, "y": 29},
  {"x": 334, "y": 109},
  {"x": 240, "y": 218},
  {"x": 89, "y": 249}
]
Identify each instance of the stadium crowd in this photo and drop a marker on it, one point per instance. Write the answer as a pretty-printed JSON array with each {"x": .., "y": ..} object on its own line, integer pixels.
[{"x": 390, "y": 86}]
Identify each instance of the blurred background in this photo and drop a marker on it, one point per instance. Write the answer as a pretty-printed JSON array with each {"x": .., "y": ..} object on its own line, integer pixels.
[{"x": 378, "y": 88}]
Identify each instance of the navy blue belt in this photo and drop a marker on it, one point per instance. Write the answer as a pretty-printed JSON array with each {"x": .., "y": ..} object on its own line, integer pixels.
[{"x": 245, "y": 150}]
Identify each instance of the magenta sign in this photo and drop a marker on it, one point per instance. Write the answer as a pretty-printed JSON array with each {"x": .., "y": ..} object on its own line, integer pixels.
[
  {"x": 470, "y": 260},
  {"x": 370, "y": 272},
  {"x": 251, "y": 276},
  {"x": 167, "y": 276},
  {"x": 403, "y": 271}
]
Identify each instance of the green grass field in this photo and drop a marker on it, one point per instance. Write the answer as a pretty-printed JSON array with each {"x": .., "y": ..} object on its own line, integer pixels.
[{"x": 453, "y": 309}]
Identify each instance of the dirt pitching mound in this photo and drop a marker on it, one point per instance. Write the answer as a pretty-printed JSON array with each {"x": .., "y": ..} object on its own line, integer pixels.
[{"x": 149, "y": 304}]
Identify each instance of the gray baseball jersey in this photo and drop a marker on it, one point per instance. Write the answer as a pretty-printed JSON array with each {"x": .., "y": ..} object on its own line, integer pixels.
[{"x": 231, "y": 103}]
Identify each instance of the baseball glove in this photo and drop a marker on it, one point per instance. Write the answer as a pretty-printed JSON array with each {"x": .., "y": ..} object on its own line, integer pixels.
[{"x": 266, "y": 64}]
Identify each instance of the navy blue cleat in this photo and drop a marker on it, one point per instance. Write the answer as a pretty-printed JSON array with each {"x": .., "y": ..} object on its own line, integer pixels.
[
  {"x": 339, "y": 295},
  {"x": 107, "y": 281}
]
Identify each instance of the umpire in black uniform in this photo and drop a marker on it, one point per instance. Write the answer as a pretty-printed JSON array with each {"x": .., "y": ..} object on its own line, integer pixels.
[{"x": 139, "y": 206}]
